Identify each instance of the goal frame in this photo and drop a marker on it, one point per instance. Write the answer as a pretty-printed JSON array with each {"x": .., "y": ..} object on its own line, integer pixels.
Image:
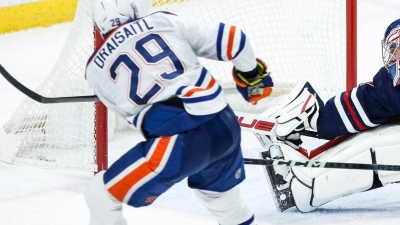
[
  {"x": 99, "y": 133},
  {"x": 351, "y": 44},
  {"x": 351, "y": 82},
  {"x": 101, "y": 123}
]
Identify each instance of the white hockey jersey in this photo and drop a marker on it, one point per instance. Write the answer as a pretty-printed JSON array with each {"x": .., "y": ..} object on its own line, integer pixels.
[{"x": 154, "y": 58}]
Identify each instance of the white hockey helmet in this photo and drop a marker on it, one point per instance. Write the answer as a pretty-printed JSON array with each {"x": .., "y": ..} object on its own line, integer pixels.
[{"x": 109, "y": 14}]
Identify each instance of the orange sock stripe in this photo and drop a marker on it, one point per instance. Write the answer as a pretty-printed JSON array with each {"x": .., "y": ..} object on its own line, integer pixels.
[{"x": 121, "y": 188}]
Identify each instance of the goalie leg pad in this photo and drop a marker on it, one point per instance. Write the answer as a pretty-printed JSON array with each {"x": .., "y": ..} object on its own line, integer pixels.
[
  {"x": 329, "y": 184},
  {"x": 314, "y": 187},
  {"x": 389, "y": 155}
]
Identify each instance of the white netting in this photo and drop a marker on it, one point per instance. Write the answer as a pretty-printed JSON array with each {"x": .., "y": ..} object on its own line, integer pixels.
[
  {"x": 299, "y": 39},
  {"x": 58, "y": 135}
]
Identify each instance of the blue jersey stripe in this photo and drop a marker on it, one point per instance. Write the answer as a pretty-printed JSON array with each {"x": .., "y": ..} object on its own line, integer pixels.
[
  {"x": 179, "y": 91},
  {"x": 135, "y": 119},
  {"x": 242, "y": 42},
  {"x": 198, "y": 83},
  {"x": 219, "y": 41},
  {"x": 202, "y": 98},
  {"x": 202, "y": 77}
]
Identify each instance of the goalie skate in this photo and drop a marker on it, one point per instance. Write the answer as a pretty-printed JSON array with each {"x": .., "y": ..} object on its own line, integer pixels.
[
  {"x": 280, "y": 184},
  {"x": 280, "y": 189}
]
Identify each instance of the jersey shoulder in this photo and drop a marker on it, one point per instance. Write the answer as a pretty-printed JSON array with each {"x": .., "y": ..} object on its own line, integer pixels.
[{"x": 161, "y": 14}]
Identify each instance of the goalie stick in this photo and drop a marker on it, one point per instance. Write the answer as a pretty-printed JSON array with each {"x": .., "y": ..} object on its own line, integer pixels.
[
  {"x": 261, "y": 125},
  {"x": 41, "y": 99},
  {"x": 316, "y": 164}
]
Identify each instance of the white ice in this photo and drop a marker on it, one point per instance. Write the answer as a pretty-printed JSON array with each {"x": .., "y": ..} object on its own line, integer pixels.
[{"x": 33, "y": 196}]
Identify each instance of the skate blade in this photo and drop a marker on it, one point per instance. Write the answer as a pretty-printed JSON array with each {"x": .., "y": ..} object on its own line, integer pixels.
[{"x": 283, "y": 198}]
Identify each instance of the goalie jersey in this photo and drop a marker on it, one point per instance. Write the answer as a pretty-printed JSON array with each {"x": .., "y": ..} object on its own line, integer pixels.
[
  {"x": 154, "y": 58},
  {"x": 362, "y": 108}
]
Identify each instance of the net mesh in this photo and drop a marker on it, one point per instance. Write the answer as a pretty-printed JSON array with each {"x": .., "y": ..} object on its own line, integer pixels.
[
  {"x": 299, "y": 40},
  {"x": 58, "y": 135}
]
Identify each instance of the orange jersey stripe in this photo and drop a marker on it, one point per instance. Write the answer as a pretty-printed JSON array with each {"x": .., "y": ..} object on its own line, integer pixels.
[
  {"x": 194, "y": 90},
  {"x": 230, "y": 42},
  {"x": 122, "y": 187}
]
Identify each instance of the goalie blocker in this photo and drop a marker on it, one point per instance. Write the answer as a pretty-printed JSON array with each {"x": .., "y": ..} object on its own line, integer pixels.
[{"x": 309, "y": 188}]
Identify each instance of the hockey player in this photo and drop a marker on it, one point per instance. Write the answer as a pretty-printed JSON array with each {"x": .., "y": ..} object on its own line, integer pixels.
[
  {"x": 370, "y": 105},
  {"x": 147, "y": 71}
]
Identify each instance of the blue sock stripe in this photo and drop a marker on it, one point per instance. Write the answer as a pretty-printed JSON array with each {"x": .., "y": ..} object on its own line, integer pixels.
[{"x": 249, "y": 221}]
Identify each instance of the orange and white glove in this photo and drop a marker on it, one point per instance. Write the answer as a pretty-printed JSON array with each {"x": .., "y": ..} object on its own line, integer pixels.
[{"x": 254, "y": 85}]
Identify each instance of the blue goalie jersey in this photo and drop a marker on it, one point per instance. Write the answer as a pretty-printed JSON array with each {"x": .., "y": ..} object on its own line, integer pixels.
[{"x": 364, "y": 107}]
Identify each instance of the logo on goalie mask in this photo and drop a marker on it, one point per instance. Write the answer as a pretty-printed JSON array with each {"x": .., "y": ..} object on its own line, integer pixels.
[{"x": 390, "y": 45}]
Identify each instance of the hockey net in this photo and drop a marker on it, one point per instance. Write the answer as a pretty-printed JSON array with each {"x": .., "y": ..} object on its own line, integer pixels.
[{"x": 299, "y": 39}]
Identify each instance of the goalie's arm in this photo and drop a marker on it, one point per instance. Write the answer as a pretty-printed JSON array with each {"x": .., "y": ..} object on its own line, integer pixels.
[{"x": 41, "y": 99}]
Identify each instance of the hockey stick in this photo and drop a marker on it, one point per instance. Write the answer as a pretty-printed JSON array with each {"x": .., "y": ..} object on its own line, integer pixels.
[
  {"x": 248, "y": 122},
  {"x": 316, "y": 164},
  {"x": 260, "y": 125},
  {"x": 41, "y": 99}
]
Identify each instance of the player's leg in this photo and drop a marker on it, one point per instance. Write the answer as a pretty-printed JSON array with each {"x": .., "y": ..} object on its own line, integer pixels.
[
  {"x": 136, "y": 178},
  {"x": 146, "y": 171},
  {"x": 153, "y": 166},
  {"x": 142, "y": 174},
  {"x": 104, "y": 209},
  {"x": 312, "y": 188},
  {"x": 216, "y": 185},
  {"x": 228, "y": 206}
]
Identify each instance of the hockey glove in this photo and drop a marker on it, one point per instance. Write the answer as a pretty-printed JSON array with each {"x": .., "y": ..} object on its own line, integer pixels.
[
  {"x": 300, "y": 114},
  {"x": 257, "y": 87},
  {"x": 293, "y": 139}
]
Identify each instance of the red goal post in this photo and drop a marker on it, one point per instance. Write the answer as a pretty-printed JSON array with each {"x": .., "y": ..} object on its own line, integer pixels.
[
  {"x": 351, "y": 44},
  {"x": 300, "y": 40}
]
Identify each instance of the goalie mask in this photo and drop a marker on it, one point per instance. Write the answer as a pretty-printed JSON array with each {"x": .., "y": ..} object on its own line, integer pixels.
[
  {"x": 390, "y": 45},
  {"x": 109, "y": 14}
]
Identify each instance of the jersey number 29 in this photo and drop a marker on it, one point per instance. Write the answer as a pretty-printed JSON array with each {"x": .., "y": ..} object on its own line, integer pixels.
[{"x": 151, "y": 60}]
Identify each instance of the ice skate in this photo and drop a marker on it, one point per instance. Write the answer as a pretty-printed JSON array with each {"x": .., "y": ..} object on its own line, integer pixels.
[{"x": 278, "y": 178}]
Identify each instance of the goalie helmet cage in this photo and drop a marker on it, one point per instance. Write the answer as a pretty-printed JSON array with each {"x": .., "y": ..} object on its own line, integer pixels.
[{"x": 300, "y": 40}]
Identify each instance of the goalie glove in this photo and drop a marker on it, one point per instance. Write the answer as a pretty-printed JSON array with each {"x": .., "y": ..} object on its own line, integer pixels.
[
  {"x": 293, "y": 139},
  {"x": 254, "y": 85},
  {"x": 302, "y": 113}
]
